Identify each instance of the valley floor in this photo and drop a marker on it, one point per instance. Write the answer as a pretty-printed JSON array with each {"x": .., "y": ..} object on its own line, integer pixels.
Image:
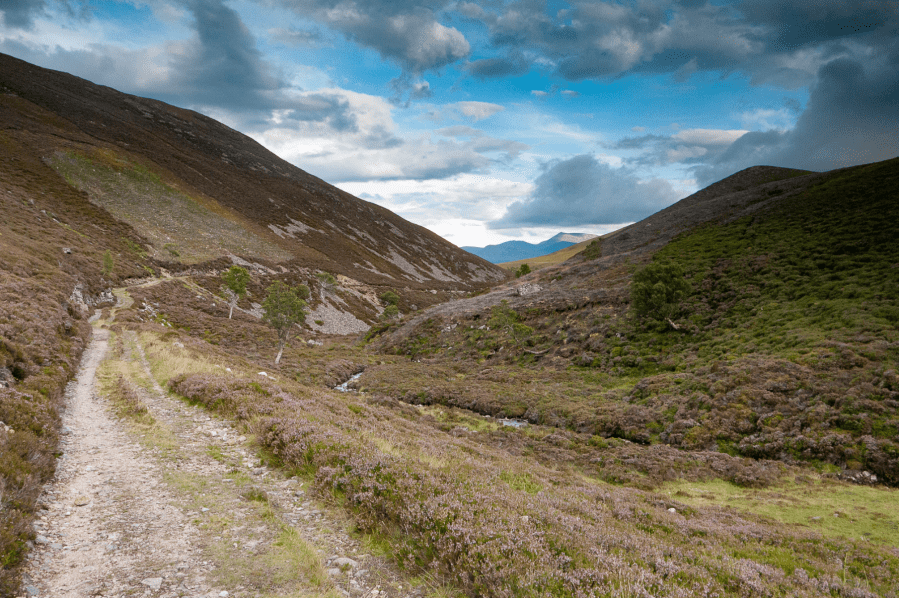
[{"x": 188, "y": 472}]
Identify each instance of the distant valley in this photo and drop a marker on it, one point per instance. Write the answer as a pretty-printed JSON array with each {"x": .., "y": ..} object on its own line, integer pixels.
[{"x": 511, "y": 251}]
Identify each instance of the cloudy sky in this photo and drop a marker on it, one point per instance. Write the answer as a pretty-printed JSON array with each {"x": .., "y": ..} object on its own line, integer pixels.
[{"x": 503, "y": 119}]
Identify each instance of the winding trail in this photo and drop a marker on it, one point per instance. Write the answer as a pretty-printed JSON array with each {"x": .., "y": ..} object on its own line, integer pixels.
[{"x": 177, "y": 504}]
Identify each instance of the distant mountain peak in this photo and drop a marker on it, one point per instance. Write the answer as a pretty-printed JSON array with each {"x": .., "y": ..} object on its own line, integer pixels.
[
  {"x": 571, "y": 237},
  {"x": 512, "y": 251}
]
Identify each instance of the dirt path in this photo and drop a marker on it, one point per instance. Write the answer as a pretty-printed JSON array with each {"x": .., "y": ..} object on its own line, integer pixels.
[{"x": 172, "y": 502}]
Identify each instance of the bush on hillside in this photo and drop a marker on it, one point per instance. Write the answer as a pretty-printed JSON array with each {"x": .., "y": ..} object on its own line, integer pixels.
[
  {"x": 657, "y": 290},
  {"x": 389, "y": 298}
]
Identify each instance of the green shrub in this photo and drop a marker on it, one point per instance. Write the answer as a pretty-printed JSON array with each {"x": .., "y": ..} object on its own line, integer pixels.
[
  {"x": 108, "y": 264},
  {"x": 657, "y": 290},
  {"x": 389, "y": 298},
  {"x": 390, "y": 312},
  {"x": 593, "y": 250},
  {"x": 522, "y": 270}
]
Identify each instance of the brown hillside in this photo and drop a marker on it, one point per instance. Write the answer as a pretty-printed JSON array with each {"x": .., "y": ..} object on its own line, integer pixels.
[
  {"x": 90, "y": 175},
  {"x": 286, "y": 215}
]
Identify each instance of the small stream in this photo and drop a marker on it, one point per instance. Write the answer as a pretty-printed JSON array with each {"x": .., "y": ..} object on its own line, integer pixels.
[
  {"x": 345, "y": 387},
  {"x": 505, "y": 421}
]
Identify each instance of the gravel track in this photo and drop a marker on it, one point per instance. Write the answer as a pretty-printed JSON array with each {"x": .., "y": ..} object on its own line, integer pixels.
[{"x": 163, "y": 511}]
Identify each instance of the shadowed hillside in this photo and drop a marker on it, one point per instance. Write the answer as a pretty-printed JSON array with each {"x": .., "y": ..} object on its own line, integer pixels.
[{"x": 177, "y": 174}]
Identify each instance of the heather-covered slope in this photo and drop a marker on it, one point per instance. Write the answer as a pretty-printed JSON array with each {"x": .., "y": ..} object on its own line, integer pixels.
[
  {"x": 785, "y": 346},
  {"x": 618, "y": 484}
]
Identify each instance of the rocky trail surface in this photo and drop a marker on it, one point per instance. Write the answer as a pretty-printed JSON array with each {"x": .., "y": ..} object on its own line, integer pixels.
[{"x": 174, "y": 502}]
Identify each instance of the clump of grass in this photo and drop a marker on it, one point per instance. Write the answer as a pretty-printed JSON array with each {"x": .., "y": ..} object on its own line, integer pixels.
[
  {"x": 128, "y": 402},
  {"x": 254, "y": 494}
]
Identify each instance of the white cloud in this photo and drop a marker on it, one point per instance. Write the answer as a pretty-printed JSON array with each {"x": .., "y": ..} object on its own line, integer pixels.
[
  {"x": 708, "y": 136},
  {"x": 456, "y": 208},
  {"x": 476, "y": 110},
  {"x": 683, "y": 152},
  {"x": 766, "y": 119}
]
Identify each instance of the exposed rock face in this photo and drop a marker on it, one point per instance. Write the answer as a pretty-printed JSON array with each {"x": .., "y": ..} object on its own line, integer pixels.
[{"x": 83, "y": 303}]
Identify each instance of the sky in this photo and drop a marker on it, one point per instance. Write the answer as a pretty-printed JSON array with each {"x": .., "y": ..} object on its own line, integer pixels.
[{"x": 503, "y": 119}]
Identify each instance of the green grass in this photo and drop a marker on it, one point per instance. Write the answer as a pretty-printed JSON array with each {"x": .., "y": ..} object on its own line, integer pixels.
[
  {"x": 168, "y": 217},
  {"x": 852, "y": 512}
]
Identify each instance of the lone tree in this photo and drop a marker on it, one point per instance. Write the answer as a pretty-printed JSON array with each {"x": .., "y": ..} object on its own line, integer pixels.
[
  {"x": 503, "y": 317},
  {"x": 522, "y": 270},
  {"x": 657, "y": 290},
  {"x": 235, "y": 279},
  {"x": 107, "y": 263},
  {"x": 391, "y": 305},
  {"x": 282, "y": 308}
]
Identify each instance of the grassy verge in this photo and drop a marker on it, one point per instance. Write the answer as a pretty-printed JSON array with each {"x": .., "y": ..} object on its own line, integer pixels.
[{"x": 832, "y": 508}]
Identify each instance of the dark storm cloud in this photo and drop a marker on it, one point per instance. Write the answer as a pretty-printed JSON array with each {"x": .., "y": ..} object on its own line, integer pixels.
[
  {"x": 223, "y": 68},
  {"x": 782, "y": 42},
  {"x": 581, "y": 191},
  {"x": 795, "y": 23},
  {"x": 405, "y": 32},
  {"x": 852, "y": 118},
  {"x": 220, "y": 67},
  {"x": 20, "y": 14},
  {"x": 491, "y": 68}
]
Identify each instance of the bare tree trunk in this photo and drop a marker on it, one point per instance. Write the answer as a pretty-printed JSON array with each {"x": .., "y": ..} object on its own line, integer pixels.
[
  {"x": 282, "y": 342},
  {"x": 231, "y": 312}
]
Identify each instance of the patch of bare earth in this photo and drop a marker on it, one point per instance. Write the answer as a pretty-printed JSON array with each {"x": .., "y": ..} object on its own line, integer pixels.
[{"x": 176, "y": 503}]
